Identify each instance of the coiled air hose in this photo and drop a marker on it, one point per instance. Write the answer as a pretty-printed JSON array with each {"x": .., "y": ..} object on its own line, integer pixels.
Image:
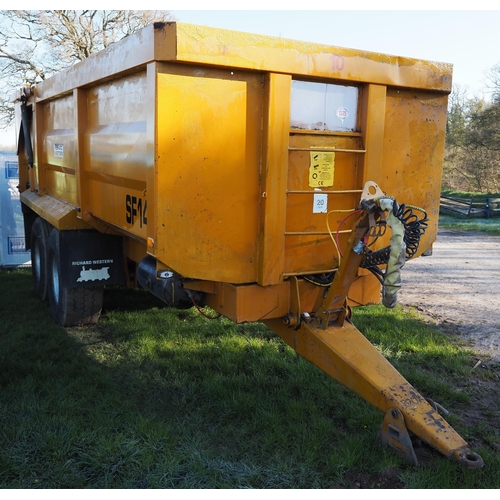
[{"x": 407, "y": 230}]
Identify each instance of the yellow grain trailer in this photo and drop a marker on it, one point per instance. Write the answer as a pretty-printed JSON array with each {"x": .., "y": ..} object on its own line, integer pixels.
[{"x": 256, "y": 175}]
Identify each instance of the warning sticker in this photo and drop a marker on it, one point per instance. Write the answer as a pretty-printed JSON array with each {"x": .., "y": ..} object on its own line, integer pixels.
[{"x": 321, "y": 169}]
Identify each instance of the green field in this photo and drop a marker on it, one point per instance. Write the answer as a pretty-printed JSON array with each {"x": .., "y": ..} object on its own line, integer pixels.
[
  {"x": 153, "y": 397},
  {"x": 488, "y": 226}
]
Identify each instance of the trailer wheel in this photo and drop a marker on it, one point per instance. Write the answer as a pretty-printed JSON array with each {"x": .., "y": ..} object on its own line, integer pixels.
[
  {"x": 39, "y": 237},
  {"x": 70, "y": 306}
]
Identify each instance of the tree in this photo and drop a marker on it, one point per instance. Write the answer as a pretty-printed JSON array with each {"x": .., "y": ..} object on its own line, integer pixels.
[
  {"x": 493, "y": 83},
  {"x": 460, "y": 170},
  {"x": 472, "y": 155},
  {"x": 35, "y": 44}
]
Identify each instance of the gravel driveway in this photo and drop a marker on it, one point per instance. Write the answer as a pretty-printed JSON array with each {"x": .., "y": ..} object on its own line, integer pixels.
[{"x": 458, "y": 287}]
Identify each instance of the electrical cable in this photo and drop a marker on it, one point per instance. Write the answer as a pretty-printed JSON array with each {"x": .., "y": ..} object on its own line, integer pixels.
[
  {"x": 340, "y": 225},
  {"x": 326, "y": 279},
  {"x": 198, "y": 308},
  {"x": 323, "y": 280},
  {"x": 414, "y": 229}
]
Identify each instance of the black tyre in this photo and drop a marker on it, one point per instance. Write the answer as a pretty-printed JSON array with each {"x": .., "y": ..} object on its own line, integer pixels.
[
  {"x": 70, "y": 306},
  {"x": 39, "y": 241}
]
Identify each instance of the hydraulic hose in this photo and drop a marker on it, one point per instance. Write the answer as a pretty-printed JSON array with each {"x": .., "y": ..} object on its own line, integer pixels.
[
  {"x": 397, "y": 257},
  {"x": 407, "y": 230}
]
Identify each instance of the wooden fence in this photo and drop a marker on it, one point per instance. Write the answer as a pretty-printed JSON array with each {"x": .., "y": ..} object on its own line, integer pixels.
[{"x": 470, "y": 208}]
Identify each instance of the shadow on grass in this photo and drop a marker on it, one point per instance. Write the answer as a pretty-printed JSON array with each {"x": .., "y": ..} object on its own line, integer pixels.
[{"x": 153, "y": 397}]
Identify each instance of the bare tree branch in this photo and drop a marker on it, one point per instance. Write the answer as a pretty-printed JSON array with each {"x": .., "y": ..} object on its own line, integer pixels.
[{"x": 34, "y": 44}]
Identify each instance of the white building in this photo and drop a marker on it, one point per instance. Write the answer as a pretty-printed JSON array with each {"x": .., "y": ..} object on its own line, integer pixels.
[{"x": 12, "y": 248}]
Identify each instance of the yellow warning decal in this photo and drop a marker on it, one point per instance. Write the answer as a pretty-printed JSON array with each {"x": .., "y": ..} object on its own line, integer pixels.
[{"x": 321, "y": 168}]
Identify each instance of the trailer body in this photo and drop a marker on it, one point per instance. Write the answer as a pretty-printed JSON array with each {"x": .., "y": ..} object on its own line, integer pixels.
[{"x": 227, "y": 169}]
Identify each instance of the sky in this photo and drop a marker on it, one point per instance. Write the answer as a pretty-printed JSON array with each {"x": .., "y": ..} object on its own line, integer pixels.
[{"x": 469, "y": 39}]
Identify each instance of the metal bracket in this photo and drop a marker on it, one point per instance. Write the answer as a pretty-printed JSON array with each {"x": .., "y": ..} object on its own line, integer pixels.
[
  {"x": 371, "y": 190},
  {"x": 393, "y": 433},
  {"x": 293, "y": 318},
  {"x": 327, "y": 317}
]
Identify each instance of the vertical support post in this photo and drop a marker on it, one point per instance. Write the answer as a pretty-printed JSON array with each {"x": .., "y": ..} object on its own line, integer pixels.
[
  {"x": 80, "y": 128},
  {"x": 373, "y": 115},
  {"x": 37, "y": 178},
  {"x": 372, "y": 126},
  {"x": 152, "y": 159},
  {"x": 274, "y": 175}
]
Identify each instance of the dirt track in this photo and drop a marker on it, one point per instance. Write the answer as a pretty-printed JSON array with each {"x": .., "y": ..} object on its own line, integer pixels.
[{"x": 458, "y": 287}]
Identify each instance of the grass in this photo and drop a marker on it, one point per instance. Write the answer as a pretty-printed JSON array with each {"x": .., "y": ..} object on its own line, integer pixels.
[
  {"x": 469, "y": 194},
  {"x": 458, "y": 223},
  {"x": 153, "y": 397},
  {"x": 489, "y": 226}
]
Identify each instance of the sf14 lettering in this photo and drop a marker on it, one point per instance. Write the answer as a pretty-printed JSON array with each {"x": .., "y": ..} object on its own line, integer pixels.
[{"x": 136, "y": 208}]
